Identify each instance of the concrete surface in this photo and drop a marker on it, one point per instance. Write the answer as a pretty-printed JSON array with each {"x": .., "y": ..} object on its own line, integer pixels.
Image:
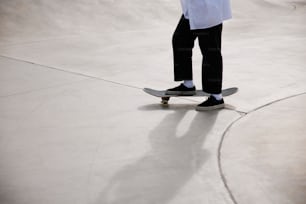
[{"x": 75, "y": 126}]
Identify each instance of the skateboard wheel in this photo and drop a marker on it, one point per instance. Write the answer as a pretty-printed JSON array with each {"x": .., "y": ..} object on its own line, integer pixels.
[{"x": 165, "y": 100}]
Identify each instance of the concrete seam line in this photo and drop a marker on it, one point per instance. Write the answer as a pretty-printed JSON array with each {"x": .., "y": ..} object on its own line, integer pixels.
[
  {"x": 223, "y": 178},
  {"x": 276, "y": 101},
  {"x": 71, "y": 72}
]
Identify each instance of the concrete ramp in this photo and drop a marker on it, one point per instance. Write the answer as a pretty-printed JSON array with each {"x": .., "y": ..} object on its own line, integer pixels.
[
  {"x": 76, "y": 127},
  {"x": 43, "y": 19}
]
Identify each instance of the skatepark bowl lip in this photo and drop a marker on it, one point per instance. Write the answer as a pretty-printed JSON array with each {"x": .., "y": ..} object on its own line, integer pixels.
[{"x": 230, "y": 126}]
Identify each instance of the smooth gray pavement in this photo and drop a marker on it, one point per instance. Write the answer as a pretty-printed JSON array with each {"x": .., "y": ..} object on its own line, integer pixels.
[{"x": 76, "y": 127}]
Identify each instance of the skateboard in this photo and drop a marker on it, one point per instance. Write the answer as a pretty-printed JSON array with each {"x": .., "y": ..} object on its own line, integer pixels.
[{"x": 199, "y": 93}]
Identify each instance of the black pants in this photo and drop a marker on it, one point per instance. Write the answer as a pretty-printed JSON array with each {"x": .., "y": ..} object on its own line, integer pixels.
[{"x": 210, "y": 44}]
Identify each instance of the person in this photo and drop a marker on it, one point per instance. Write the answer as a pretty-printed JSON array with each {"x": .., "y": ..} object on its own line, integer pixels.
[{"x": 202, "y": 20}]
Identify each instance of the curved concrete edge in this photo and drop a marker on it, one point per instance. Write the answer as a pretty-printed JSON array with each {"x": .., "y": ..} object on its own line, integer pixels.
[{"x": 237, "y": 192}]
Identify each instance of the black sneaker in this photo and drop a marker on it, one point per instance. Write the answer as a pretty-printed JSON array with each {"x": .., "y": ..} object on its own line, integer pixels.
[
  {"x": 210, "y": 104},
  {"x": 181, "y": 90}
]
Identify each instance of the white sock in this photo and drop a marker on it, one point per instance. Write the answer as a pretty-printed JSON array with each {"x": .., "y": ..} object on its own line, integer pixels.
[
  {"x": 188, "y": 83},
  {"x": 217, "y": 96}
]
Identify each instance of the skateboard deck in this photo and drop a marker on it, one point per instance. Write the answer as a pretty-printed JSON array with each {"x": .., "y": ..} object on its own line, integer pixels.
[{"x": 199, "y": 93}]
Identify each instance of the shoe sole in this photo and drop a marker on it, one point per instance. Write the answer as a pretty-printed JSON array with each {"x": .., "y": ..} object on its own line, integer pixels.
[
  {"x": 180, "y": 93},
  {"x": 209, "y": 108}
]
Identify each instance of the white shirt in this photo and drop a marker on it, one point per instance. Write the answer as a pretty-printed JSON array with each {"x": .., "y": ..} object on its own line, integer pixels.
[{"x": 206, "y": 13}]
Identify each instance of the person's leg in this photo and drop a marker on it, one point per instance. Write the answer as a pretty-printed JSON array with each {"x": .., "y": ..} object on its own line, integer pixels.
[
  {"x": 183, "y": 43},
  {"x": 212, "y": 65}
]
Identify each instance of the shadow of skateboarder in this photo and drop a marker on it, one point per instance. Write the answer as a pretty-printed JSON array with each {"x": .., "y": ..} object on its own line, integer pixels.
[{"x": 171, "y": 162}]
